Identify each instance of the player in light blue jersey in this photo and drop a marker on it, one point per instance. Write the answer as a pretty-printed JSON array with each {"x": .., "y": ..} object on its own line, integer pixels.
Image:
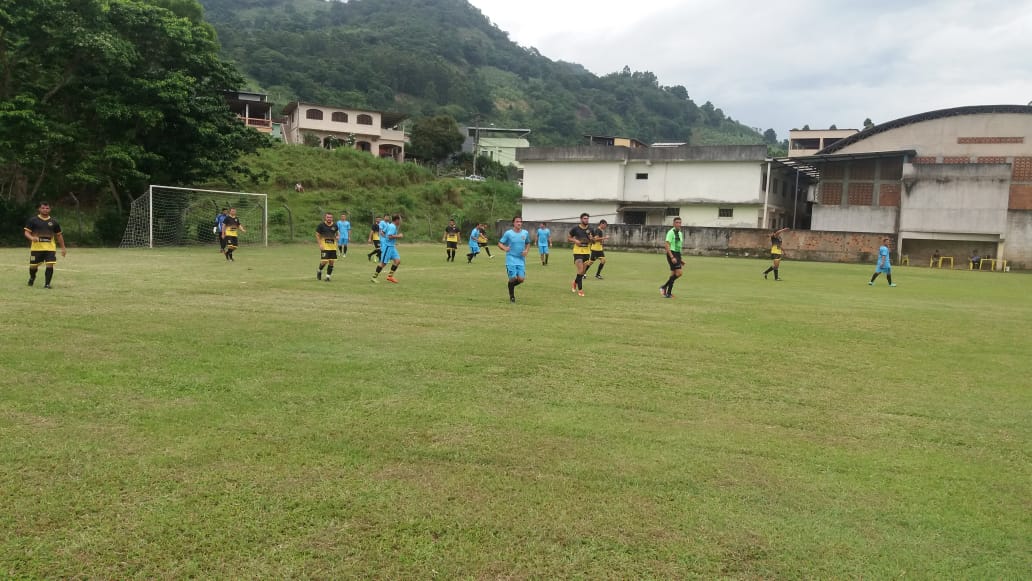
[
  {"x": 389, "y": 234},
  {"x": 344, "y": 226},
  {"x": 515, "y": 244},
  {"x": 544, "y": 242},
  {"x": 883, "y": 263},
  {"x": 474, "y": 245}
]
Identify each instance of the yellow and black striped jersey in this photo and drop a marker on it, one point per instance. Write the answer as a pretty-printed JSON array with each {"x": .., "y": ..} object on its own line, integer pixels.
[
  {"x": 327, "y": 234},
  {"x": 45, "y": 229},
  {"x": 230, "y": 226}
]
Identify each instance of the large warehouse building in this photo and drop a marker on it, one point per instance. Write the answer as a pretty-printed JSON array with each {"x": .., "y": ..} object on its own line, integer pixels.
[{"x": 956, "y": 180}]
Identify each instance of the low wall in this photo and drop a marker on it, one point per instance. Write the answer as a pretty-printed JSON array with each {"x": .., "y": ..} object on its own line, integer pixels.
[{"x": 859, "y": 247}]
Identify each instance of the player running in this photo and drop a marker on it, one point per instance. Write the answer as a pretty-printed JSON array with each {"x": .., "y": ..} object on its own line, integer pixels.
[
  {"x": 326, "y": 236},
  {"x": 374, "y": 239},
  {"x": 231, "y": 227},
  {"x": 883, "y": 263},
  {"x": 514, "y": 244},
  {"x": 776, "y": 253},
  {"x": 673, "y": 244},
  {"x": 598, "y": 252},
  {"x": 580, "y": 237},
  {"x": 389, "y": 235},
  {"x": 474, "y": 246},
  {"x": 544, "y": 242}
]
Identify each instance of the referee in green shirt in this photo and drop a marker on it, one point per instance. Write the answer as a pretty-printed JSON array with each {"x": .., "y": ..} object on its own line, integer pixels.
[{"x": 673, "y": 244}]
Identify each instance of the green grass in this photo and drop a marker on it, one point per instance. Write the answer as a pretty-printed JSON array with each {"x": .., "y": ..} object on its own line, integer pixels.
[{"x": 164, "y": 414}]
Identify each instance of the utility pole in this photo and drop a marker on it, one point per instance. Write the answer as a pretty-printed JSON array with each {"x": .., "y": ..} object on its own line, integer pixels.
[{"x": 476, "y": 141}]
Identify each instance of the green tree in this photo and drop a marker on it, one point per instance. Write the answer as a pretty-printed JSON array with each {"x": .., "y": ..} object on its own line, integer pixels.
[
  {"x": 109, "y": 95},
  {"x": 868, "y": 123},
  {"x": 770, "y": 137},
  {"x": 436, "y": 138}
]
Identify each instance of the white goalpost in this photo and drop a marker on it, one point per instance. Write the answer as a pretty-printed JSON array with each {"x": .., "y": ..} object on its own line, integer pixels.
[{"x": 175, "y": 216}]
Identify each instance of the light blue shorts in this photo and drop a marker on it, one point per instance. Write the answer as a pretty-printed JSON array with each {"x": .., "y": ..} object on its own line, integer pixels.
[
  {"x": 474, "y": 247},
  {"x": 515, "y": 270},
  {"x": 389, "y": 253},
  {"x": 542, "y": 250}
]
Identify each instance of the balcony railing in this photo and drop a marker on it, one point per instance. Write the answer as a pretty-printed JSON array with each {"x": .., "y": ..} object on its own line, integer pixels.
[{"x": 258, "y": 123}]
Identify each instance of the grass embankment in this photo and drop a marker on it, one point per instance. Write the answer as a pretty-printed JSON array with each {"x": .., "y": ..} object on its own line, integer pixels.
[
  {"x": 165, "y": 414},
  {"x": 350, "y": 181}
]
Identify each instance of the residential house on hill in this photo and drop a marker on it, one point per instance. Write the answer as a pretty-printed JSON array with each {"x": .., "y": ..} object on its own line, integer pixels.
[{"x": 377, "y": 132}]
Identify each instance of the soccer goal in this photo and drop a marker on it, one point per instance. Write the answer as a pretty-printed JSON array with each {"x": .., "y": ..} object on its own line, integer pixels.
[{"x": 171, "y": 216}]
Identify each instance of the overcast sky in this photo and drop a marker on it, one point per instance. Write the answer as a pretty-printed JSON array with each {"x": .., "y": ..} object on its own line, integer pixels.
[{"x": 795, "y": 62}]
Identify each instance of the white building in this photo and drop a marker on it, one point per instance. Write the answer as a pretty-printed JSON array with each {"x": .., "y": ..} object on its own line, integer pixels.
[
  {"x": 374, "y": 131},
  {"x": 714, "y": 186}
]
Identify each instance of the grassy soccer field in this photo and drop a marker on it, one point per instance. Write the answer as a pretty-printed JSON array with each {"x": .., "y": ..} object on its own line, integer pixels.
[{"x": 166, "y": 414}]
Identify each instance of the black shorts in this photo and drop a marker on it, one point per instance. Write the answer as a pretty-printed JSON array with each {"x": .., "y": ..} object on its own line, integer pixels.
[
  {"x": 328, "y": 255},
  {"x": 376, "y": 244},
  {"x": 775, "y": 256},
  {"x": 596, "y": 254},
  {"x": 38, "y": 257},
  {"x": 581, "y": 257},
  {"x": 453, "y": 245},
  {"x": 675, "y": 262},
  {"x": 231, "y": 241}
]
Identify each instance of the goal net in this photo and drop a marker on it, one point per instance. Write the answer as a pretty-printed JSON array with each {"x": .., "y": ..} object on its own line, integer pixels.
[{"x": 171, "y": 216}]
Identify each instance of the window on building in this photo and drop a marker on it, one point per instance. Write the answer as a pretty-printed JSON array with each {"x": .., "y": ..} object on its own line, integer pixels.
[
  {"x": 672, "y": 212},
  {"x": 725, "y": 212},
  {"x": 641, "y": 176},
  {"x": 340, "y": 116},
  {"x": 637, "y": 218},
  {"x": 364, "y": 119},
  {"x": 314, "y": 114}
]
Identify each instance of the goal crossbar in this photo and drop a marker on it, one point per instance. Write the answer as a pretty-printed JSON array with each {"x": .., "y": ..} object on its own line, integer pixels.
[{"x": 142, "y": 227}]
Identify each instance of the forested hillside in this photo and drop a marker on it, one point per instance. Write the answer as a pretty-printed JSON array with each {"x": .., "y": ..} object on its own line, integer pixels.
[{"x": 428, "y": 57}]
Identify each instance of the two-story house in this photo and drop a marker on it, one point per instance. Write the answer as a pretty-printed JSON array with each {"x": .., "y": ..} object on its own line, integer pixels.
[{"x": 377, "y": 132}]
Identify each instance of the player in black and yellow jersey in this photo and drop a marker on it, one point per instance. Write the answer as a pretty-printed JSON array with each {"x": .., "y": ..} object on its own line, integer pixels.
[
  {"x": 374, "y": 239},
  {"x": 42, "y": 230},
  {"x": 326, "y": 235},
  {"x": 776, "y": 253},
  {"x": 231, "y": 227},
  {"x": 598, "y": 249},
  {"x": 482, "y": 239},
  {"x": 451, "y": 240},
  {"x": 580, "y": 237}
]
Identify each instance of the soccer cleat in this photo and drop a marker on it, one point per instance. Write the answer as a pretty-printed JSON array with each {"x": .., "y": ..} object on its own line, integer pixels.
[
  {"x": 667, "y": 296},
  {"x": 765, "y": 276},
  {"x": 327, "y": 278},
  {"x": 778, "y": 279},
  {"x": 573, "y": 287},
  {"x": 598, "y": 276},
  {"x": 870, "y": 283},
  {"x": 392, "y": 279},
  {"x": 47, "y": 286},
  {"x": 32, "y": 281},
  {"x": 662, "y": 291},
  {"x": 318, "y": 275},
  {"x": 512, "y": 299},
  {"x": 892, "y": 284},
  {"x": 491, "y": 256},
  {"x": 374, "y": 279},
  {"x": 580, "y": 293}
]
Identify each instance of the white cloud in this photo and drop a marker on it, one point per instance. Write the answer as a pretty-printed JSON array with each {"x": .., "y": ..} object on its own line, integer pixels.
[{"x": 786, "y": 64}]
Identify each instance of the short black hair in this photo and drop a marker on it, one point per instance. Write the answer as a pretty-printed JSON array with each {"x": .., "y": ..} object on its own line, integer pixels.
[
  {"x": 395, "y": 217},
  {"x": 600, "y": 222},
  {"x": 585, "y": 215},
  {"x": 43, "y": 203},
  {"x": 223, "y": 209},
  {"x": 514, "y": 218}
]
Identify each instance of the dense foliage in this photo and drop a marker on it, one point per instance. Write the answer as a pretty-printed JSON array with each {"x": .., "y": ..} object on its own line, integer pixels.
[
  {"x": 106, "y": 96},
  {"x": 433, "y": 57}
]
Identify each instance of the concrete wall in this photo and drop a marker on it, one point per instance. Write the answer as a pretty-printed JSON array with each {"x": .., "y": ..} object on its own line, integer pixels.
[
  {"x": 575, "y": 180},
  {"x": 1018, "y": 247},
  {"x": 968, "y": 198},
  {"x": 535, "y": 211},
  {"x": 854, "y": 218},
  {"x": 856, "y": 247},
  {"x": 706, "y": 216}
]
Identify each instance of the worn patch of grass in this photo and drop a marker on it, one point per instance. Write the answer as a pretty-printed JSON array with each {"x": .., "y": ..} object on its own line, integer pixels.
[{"x": 165, "y": 414}]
